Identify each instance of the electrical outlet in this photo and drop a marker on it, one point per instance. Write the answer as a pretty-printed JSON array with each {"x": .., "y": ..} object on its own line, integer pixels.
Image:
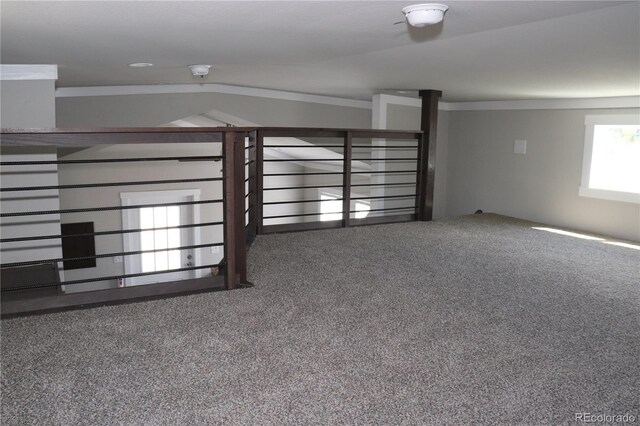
[
  {"x": 520, "y": 146},
  {"x": 117, "y": 259},
  {"x": 215, "y": 249}
]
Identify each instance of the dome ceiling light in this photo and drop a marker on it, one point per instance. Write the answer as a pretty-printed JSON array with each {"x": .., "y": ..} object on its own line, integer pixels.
[
  {"x": 199, "y": 70},
  {"x": 421, "y": 15}
]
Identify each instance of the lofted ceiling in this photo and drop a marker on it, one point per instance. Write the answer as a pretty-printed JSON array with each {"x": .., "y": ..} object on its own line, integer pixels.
[{"x": 484, "y": 50}]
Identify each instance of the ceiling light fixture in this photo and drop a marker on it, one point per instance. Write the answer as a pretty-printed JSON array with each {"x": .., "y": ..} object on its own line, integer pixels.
[
  {"x": 141, "y": 64},
  {"x": 199, "y": 70},
  {"x": 421, "y": 15}
]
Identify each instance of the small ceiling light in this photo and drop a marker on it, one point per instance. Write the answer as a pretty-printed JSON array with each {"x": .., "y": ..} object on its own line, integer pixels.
[
  {"x": 199, "y": 70},
  {"x": 421, "y": 15},
  {"x": 141, "y": 64}
]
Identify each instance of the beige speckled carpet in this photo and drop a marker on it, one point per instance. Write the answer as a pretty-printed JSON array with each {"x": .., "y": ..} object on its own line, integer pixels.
[{"x": 474, "y": 320}]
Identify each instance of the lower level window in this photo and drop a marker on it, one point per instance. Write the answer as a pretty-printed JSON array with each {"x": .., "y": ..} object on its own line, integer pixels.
[{"x": 611, "y": 165}]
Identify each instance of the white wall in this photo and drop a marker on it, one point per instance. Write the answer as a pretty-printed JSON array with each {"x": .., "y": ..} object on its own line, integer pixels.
[
  {"x": 110, "y": 196},
  {"x": 403, "y": 117},
  {"x": 27, "y": 103},
  {"x": 156, "y": 109},
  {"x": 30, "y": 201},
  {"x": 484, "y": 173}
]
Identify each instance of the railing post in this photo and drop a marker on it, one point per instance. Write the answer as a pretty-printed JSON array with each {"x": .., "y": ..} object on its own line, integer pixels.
[
  {"x": 346, "y": 180},
  {"x": 259, "y": 178},
  {"x": 427, "y": 155},
  {"x": 252, "y": 229},
  {"x": 235, "y": 240}
]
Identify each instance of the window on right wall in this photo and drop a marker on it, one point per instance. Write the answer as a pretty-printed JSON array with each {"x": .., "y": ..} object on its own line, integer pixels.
[{"x": 611, "y": 164}]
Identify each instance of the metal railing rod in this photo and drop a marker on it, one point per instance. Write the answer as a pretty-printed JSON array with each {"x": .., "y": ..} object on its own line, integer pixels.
[
  {"x": 112, "y": 277},
  {"x": 384, "y": 159},
  {"x": 271, "y": 203},
  {"x": 351, "y": 211},
  {"x": 384, "y": 197},
  {"x": 100, "y": 209},
  {"x": 108, "y": 184},
  {"x": 111, "y": 160},
  {"x": 386, "y": 146},
  {"x": 337, "y": 186},
  {"x": 388, "y": 172},
  {"x": 303, "y": 174},
  {"x": 299, "y": 215},
  {"x": 115, "y": 232},
  {"x": 105, "y": 255},
  {"x": 303, "y": 146},
  {"x": 301, "y": 187},
  {"x": 301, "y": 159},
  {"x": 384, "y": 184},
  {"x": 385, "y": 209}
]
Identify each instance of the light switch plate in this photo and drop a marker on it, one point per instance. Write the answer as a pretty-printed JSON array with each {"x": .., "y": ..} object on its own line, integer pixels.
[{"x": 520, "y": 146}]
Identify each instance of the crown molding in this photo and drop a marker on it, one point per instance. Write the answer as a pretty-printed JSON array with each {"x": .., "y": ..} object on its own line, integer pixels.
[
  {"x": 525, "y": 104},
  {"x": 28, "y": 72},
  {"x": 73, "y": 92},
  {"x": 577, "y": 103}
]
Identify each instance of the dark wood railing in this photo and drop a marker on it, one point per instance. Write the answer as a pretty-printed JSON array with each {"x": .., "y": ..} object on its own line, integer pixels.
[{"x": 255, "y": 163}]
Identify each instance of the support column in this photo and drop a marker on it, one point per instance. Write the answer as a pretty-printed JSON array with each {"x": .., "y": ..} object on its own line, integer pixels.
[
  {"x": 346, "y": 181},
  {"x": 427, "y": 166},
  {"x": 234, "y": 229}
]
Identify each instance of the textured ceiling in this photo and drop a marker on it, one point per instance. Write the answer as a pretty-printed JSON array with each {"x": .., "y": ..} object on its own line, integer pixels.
[{"x": 484, "y": 50}]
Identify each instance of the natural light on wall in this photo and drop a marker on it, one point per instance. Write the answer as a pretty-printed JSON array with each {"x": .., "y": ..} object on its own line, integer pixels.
[
  {"x": 586, "y": 237},
  {"x": 331, "y": 207},
  {"x": 611, "y": 168}
]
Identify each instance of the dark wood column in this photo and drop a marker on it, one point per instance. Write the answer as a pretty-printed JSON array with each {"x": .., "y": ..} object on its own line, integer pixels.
[
  {"x": 346, "y": 181},
  {"x": 235, "y": 240},
  {"x": 427, "y": 163},
  {"x": 259, "y": 181}
]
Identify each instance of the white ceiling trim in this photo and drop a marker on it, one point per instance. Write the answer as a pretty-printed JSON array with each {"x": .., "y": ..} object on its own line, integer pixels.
[
  {"x": 73, "y": 92},
  {"x": 533, "y": 104},
  {"x": 583, "y": 103},
  {"x": 405, "y": 101},
  {"x": 28, "y": 72}
]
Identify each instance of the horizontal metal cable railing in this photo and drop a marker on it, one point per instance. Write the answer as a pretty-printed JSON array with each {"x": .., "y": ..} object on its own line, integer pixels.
[
  {"x": 307, "y": 178},
  {"x": 132, "y": 219},
  {"x": 81, "y": 227}
]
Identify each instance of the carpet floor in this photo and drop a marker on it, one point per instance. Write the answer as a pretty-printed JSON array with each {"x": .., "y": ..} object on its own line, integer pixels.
[{"x": 475, "y": 320}]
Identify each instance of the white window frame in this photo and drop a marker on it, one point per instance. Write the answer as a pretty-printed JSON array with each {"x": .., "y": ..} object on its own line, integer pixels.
[
  {"x": 153, "y": 197},
  {"x": 590, "y": 121}
]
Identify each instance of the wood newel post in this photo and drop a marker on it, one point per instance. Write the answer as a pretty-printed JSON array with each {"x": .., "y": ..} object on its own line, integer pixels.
[
  {"x": 259, "y": 181},
  {"x": 427, "y": 155},
  {"x": 346, "y": 180},
  {"x": 234, "y": 233},
  {"x": 252, "y": 230}
]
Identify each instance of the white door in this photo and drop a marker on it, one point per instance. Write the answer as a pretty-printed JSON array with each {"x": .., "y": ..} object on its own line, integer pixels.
[{"x": 160, "y": 238}]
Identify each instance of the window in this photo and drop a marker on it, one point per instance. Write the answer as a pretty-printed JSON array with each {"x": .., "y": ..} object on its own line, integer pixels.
[
  {"x": 152, "y": 238},
  {"x": 611, "y": 164},
  {"x": 161, "y": 245}
]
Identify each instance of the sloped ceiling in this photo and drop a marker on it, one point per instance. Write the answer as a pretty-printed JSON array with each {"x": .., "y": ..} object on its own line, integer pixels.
[
  {"x": 326, "y": 159},
  {"x": 484, "y": 50}
]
